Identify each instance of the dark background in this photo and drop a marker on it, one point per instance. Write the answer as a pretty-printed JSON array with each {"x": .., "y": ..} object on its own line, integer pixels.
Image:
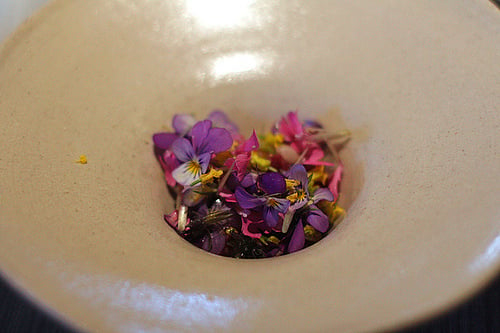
[{"x": 479, "y": 314}]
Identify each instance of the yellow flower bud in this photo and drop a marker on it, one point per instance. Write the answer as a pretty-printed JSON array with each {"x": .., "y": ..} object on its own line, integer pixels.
[
  {"x": 311, "y": 234},
  {"x": 318, "y": 175},
  {"x": 259, "y": 162},
  {"x": 208, "y": 177}
]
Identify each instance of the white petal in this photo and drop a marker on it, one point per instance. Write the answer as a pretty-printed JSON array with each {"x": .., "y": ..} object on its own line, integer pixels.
[{"x": 183, "y": 176}]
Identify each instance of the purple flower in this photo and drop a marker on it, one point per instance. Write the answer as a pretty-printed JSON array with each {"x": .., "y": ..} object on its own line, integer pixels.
[
  {"x": 181, "y": 124},
  {"x": 311, "y": 214},
  {"x": 298, "y": 239},
  {"x": 163, "y": 141},
  {"x": 302, "y": 197},
  {"x": 270, "y": 206},
  {"x": 220, "y": 119},
  {"x": 195, "y": 154},
  {"x": 272, "y": 184}
]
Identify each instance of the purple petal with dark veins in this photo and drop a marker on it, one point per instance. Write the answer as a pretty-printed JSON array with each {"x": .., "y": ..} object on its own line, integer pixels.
[
  {"x": 318, "y": 219},
  {"x": 217, "y": 140},
  {"x": 272, "y": 183},
  {"x": 298, "y": 172},
  {"x": 322, "y": 194},
  {"x": 270, "y": 216},
  {"x": 281, "y": 205},
  {"x": 204, "y": 160},
  {"x": 299, "y": 204},
  {"x": 246, "y": 200},
  {"x": 298, "y": 239},
  {"x": 199, "y": 133},
  {"x": 249, "y": 180},
  {"x": 182, "y": 123},
  {"x": 183, "y": 149},
  {"x": 215, "y": 242},
  {"x": 164, "y": 140}
]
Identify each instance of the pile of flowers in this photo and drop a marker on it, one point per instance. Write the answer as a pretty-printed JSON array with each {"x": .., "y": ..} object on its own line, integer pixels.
[{"x": 251, "y": 197}]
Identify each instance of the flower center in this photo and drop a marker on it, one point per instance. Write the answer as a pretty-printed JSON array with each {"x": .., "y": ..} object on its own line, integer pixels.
[
  {"x": 301, "y": 195},
  {"x": 194, "y": 167},
  {"x": 272, "y": 203}
]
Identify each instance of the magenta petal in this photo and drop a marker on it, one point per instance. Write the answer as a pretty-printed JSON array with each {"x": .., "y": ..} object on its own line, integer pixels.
[
  {"x": 183, "y": 149},
  {"x": 164, "y": 140},
  {"x": 169, "y": 164},
  {"x": 298, "y": 239},
  {"x": 217, "y": 140},
  {"x": 248, "y": 228},
  {"x": 322, "y": 194},
  {"x": 315, "y": 158},
  {"x": 290, "y": 127},
  {"x": 272, "y": 183},
  {"x": 182, "y": 123},
  {"x": 252, "y": 143},
  {"x": 241, "y": 164},
  {"x": 199, "y": 133},
  {"x": 318, "y": 220},
  {"x": 172, "y": 219},
  {"x": 246, "y": 200},
  {"x": 294, "y": 123},
  {"x": 314, "y": 155},
  {"x": 335, "y": 182}
]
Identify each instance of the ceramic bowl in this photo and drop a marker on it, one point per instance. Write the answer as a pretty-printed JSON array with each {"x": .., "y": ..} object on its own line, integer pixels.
[{"x": 416, "y": 82}]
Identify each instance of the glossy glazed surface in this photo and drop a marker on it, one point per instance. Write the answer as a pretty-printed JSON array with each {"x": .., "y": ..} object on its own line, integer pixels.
[{"x": 417, "y": 83}]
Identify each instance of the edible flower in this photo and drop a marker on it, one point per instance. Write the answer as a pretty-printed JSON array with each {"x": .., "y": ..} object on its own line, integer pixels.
[
  {"x": 271, "y": 184},
  {"x": 195, "y": 154},
  {"x": 254, "y": 196}
]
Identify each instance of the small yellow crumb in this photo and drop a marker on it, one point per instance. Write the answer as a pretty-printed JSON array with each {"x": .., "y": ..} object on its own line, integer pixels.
[{"x": 82, "y": 159}]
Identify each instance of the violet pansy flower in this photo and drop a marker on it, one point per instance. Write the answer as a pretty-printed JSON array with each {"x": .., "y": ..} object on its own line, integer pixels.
[
  {"x": 220, "y": 119},
  {"x": 302, "y": 196},
  {"x": 271, "y": 183},
  {"x": 195, "y": 154},
  {"x": 311, "y": 215},
  {"x": 181, "y": 123}
]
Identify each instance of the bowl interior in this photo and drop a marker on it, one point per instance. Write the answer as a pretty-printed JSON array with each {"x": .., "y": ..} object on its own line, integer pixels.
[{"x": 417, "y": 84}]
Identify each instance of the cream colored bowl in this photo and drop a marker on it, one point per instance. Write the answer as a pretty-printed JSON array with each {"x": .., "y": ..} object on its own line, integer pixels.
[{"x": 416, "y": 81}]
